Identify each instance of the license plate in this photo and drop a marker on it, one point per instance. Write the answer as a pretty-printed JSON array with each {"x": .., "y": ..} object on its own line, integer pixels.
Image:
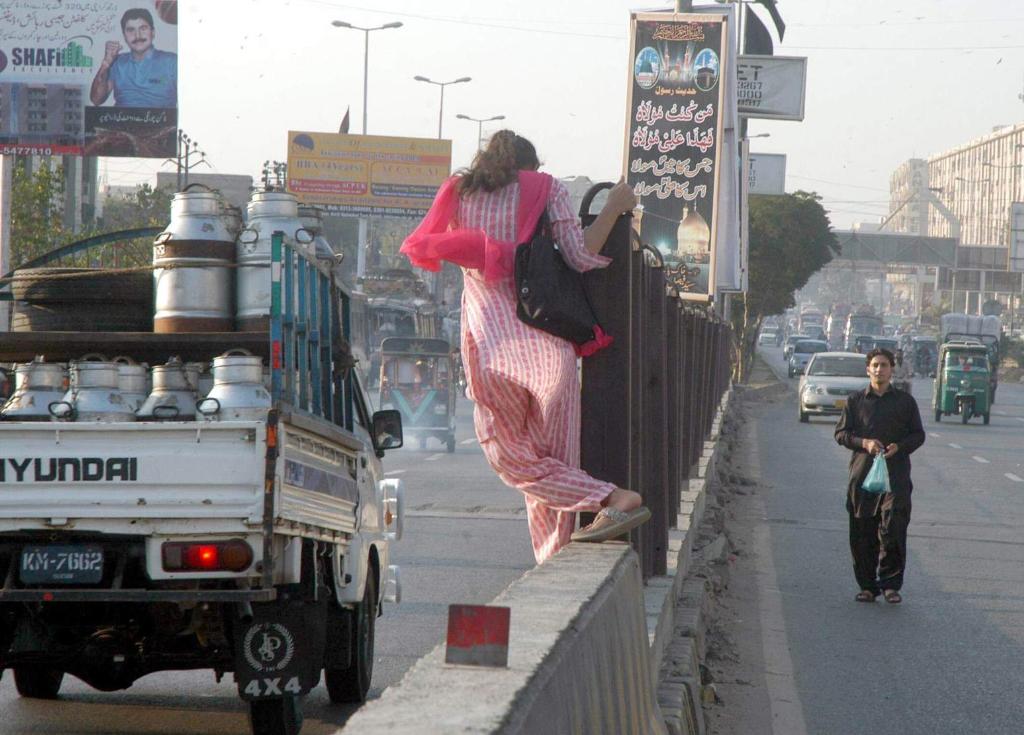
[
  {"x": 61, "y": 564},
  {"x": 841, "y": 403}
]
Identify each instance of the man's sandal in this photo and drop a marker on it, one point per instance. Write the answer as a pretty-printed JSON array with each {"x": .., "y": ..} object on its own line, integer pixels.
[
  {"x": 865, "y": 596},
  {"x": 893, "y": 597},
  {"x": 611, "y": 523}
]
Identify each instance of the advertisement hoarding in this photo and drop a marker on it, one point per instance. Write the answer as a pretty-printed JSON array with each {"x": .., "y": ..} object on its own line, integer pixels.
[
  {"x": 771, "y": 87},
  {"x": 367, "y": 175},
  {"x": 90, "y": 78},
  {"x": 766, "y": 173},
  {"x": 674, "y": 140}
]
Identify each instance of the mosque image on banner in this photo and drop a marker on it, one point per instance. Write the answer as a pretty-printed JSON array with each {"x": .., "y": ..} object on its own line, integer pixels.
[
  {"x": 93, "y": 78},
  {"x": 674, "y": 132}
]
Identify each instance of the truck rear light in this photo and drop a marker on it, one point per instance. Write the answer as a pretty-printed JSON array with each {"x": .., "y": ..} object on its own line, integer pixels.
[{"x": 195, "y": 556}]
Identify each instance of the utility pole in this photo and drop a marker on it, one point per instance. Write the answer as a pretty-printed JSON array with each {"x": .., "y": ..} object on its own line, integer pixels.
[
  {"x": 187, "y": 148},
  {"x": 275, "y": 175}
]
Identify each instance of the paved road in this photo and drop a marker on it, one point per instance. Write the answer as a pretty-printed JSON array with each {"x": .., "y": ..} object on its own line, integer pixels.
[
  {"x": 946, "y": 661},
  {"x": 465, "y": 540}
]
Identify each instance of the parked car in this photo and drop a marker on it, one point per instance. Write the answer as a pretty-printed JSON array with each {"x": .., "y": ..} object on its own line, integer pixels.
[
  {"x": 827, "y": 382},
  {"x": 802, "y": 351}
]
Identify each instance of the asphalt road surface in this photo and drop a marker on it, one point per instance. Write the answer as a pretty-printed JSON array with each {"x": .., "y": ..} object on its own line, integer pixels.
[
  {"x": 948, "y": 660},
  {"x": 465, "y": 540}
]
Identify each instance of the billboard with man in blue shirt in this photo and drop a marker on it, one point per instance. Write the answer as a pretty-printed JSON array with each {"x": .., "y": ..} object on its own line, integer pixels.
[
  {"x": 143, "y": 76},
  {"x": 99, "y": 81}
]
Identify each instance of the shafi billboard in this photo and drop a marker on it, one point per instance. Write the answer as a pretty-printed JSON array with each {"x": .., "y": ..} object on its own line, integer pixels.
[
  {"x": 89, "y": 78},
  {"x": 367, "y": 175}
]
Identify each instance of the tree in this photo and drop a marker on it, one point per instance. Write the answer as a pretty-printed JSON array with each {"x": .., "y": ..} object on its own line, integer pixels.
[
  {"x": 37, "y": 212},
  {"x": 145, "y": 207},
  {"x": 790, "y": 240}
]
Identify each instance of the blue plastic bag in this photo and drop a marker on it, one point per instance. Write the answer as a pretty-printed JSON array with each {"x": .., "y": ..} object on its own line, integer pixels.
[{"x": 877, "y": 480}]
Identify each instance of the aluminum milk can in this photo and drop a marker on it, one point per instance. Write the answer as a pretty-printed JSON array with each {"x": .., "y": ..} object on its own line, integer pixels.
[
  {"x": 133, "y": 381},
  {"x": 269, "y": 211},
  {"x": 37, "y": 384},
  {"x": 194, "y": 289},
  {"x": 238, "y": 393},
  {"x": 174, "y": 393},
  {"x": 94, "y": 393}
]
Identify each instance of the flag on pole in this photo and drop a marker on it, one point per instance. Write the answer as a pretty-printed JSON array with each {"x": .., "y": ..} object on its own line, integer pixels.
[
  {"x": 756, "y": 38},
  {"x": 780, "y": 25},
  {"x": 343, "y": 128}
]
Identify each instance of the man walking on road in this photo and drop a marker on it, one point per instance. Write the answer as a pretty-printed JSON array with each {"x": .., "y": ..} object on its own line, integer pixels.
[{"x": 880, "y": 420}]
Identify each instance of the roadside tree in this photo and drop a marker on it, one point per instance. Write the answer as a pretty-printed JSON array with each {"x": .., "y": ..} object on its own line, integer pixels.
[{"x": 790, "y": 240}]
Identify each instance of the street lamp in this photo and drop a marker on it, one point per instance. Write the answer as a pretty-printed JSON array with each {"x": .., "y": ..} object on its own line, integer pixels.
[
  {"x": 480, "y": 125},
  {"x": 442, "y": 85},
  {"x": 366, "y": 52}
]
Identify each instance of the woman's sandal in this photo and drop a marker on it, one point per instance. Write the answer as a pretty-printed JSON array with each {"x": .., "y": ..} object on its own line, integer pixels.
[
  {"x": 611, "y": 523},
  {"x": 865, "y": 596},
  {"x": 893, "y": 597}
]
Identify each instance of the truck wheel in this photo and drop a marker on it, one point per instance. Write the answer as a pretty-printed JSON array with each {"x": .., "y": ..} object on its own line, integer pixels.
[
  {"x": 451, "y": 443},
  {"x": 804, "y": 418},
  {"x": 281, "y": 716},
  {"x": 37, "y": 682},
  {"x": 351, "y": 684}
]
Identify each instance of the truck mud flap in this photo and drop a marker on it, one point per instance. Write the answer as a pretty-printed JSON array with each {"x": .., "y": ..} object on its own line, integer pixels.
[{"x": 280, "y": 651}]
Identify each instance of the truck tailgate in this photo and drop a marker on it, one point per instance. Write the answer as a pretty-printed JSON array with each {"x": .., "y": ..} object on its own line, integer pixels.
[{"x": 208, "y": 475}]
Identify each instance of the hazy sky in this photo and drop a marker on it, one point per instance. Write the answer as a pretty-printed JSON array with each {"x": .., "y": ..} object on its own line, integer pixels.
[{"x": 887, "y": 81}]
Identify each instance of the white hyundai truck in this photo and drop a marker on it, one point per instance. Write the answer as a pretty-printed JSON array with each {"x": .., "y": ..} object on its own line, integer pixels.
[{"x": 254, "y": 547}]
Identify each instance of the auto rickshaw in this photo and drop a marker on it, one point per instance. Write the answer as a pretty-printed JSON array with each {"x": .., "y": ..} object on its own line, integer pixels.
[
  {"x": 961, "y": 382},
  {"x": 418, "y": 378}
]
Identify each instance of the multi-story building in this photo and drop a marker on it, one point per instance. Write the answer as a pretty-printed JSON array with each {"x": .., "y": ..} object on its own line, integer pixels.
[{"x": 968, "y": 191}]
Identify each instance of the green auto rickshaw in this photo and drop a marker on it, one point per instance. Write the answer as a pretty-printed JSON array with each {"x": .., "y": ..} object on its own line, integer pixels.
[
  {"x": 962, "y": 382},
  {"x": 418, "y": 378}
]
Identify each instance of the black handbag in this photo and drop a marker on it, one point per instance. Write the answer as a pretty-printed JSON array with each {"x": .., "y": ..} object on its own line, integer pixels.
[{"x": 551, "y": 296}]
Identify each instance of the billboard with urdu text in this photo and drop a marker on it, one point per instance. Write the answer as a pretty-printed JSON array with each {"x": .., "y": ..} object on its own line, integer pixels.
[
  {"x": 674, "y": 140},
  {"x": 89, "y": 78}
]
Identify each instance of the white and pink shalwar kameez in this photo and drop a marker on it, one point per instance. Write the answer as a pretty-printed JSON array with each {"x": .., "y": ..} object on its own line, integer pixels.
[{"x": 523, "y": 381}]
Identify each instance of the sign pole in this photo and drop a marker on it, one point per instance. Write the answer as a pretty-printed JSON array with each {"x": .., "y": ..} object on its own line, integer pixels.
[{"x": 6, "y": 191}]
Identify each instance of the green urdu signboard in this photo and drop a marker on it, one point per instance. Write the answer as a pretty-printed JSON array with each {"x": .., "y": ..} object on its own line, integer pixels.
[{"x": 674, "y": 140}]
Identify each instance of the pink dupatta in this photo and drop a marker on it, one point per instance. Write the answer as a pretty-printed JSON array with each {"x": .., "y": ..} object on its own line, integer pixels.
[{"x": 435, "y": 240}]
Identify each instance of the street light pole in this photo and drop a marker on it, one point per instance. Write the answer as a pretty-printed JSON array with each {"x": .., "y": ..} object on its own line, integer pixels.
[
  {"x": 480, "y": 126},
  {"x": 364, "y": 234},
  {"x": 366, "y": 54},
  {"x": 442, "y": 85}
]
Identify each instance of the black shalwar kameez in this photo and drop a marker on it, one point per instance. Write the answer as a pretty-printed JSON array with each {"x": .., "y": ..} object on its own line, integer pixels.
[{"x": 878, "y": 522}]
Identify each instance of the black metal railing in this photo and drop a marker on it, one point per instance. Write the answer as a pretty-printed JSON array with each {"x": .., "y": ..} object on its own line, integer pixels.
[{"x": 649, "y": 400}]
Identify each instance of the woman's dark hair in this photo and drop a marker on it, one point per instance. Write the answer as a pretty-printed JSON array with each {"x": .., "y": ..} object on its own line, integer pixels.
[{"x": 499, "y": 163}]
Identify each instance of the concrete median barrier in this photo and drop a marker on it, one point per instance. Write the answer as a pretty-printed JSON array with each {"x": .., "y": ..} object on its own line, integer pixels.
[{"x": 579, "y": 661}]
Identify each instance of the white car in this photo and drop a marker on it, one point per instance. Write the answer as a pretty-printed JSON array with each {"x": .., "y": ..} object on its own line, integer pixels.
[{"x": 828, "y": 381}]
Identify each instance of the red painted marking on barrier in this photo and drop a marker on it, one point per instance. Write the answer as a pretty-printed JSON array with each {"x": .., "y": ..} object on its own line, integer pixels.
[
  {"x": 478, "y": 635},
  {"x": 275, "y": 354}
]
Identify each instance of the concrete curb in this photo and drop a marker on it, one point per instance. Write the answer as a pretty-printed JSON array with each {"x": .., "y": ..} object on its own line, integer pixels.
[
  {"x": 578, "y": 661},
  {"x": 676, "y": 604}
]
